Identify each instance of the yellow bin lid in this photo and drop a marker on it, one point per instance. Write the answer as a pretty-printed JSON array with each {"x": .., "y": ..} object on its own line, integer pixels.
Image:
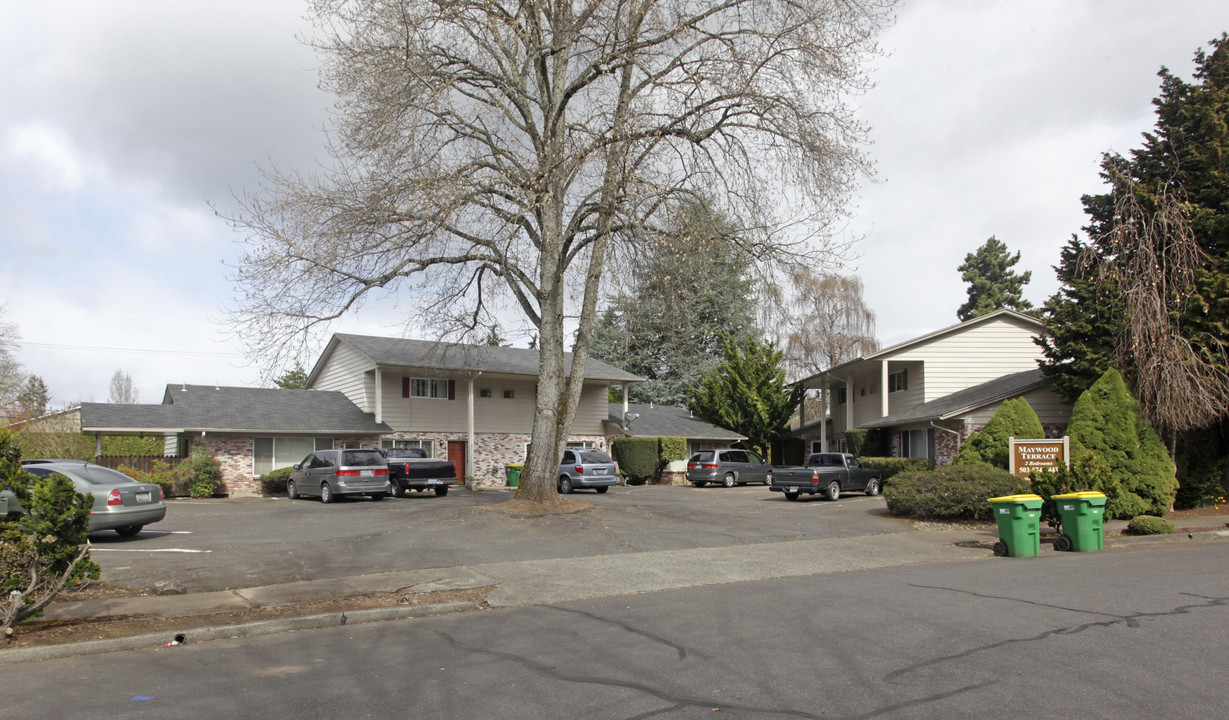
[
  {"x": 1084, "y": 494},
  {"x": 1015, "y": 498}
]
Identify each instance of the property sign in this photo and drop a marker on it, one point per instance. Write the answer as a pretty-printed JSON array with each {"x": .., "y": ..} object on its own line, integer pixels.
[{"x": 1029, "y": 456}]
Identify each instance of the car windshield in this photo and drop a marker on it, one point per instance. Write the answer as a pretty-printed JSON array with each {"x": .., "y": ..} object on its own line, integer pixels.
[
  {"x": 362, "y": 457},
  {"x": 594, "y": 456}
]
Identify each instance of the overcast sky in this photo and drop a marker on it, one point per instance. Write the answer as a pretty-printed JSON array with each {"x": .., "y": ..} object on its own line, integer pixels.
[{"x": 125, "y": 123}]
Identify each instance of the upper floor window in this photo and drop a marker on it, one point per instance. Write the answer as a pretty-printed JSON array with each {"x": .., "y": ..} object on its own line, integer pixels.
[
  {"x": 898, "y": 381},
  {"x": 427, "y": 388},
  {"x": 841, "y": 396}
]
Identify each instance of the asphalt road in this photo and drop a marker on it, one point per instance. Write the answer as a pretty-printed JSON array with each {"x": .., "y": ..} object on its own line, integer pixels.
[
  {"x": 1136, "y": 633},
  {"x": 225, "y": 544}
]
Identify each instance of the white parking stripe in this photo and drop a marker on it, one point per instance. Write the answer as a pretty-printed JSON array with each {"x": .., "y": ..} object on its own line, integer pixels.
[{"x": 95, "y": 548}]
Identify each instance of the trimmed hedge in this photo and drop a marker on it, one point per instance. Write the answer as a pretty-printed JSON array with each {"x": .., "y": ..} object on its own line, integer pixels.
[
  {"x": 1149, "y": 525},
  {"x": 637, "y": 457},
  {"x": 855, "y": 441},
  {"x": 274, "y": 483},
  {"x": 952, "y": 492},
  {"x": 890, "y": 466},
  {"x": 671, "y": 449}
]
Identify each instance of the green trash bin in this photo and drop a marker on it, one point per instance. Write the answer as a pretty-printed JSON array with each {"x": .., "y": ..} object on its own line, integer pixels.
[
  {"x": 1081, "y": 521},
  {"x": 1019, "y": 518},
  {"x": 512, "y": 473}
]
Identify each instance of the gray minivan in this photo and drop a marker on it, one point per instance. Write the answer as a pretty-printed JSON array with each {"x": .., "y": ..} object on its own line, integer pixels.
[
  {"x": 729, "y": 467},
  {"x": 586, "y": 468},
  {"x": 333, "y": 473}
]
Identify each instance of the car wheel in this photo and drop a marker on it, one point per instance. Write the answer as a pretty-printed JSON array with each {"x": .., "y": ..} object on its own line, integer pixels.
[
  {"x": 728, "y": 481},
  {"x": 129, "y": 530},
  {"x": 326, "y": 494},
  {"x": 292, "y": 492},
  {"x": 872, "y": 487},
  {"x": 833, "y": 491},
  {"x": 601, "y": 489},
  {"x": 791, "y": 496},
  {"x": 398, "y": 491},
  {"x": 565, "y": 485},
  {"x": 377, "y": 496},
  {"x": 441, "y": 491}
]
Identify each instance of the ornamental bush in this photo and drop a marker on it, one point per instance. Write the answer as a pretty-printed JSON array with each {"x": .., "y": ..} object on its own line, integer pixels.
[
  {"x": 44, "y": 551},
  {"x": 637, "y": 457},
  {"x": 274, "y": 483},
  {"x": 1149, "y": 525},
  {"x": 952, "y": 492},
  {"x": 203, "y": 473},
  {"x": 1014, "y": 418},
  {"x": 1105, "y": 421},
  {"x": 671, "y": 449}
]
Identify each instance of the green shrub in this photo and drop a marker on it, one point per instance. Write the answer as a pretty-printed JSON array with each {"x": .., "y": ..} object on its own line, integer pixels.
[
  {"x": 274, "y": 483},
  {"x": 132, "y": 446},
  {"x": 45, "y": 551},
  {"x": 952, "y": 492},
  {"x": 10, "y": 449},
  {"x": 891, "y": 466},
  {"x": 1149, "y": 525},
  {"x": 1105, "y": 420},
  {"x": 1202, "y": 457},
  {"x": 1014, "y": 418},
  {"x": 671, "y": 449},
  {"x": 637, "y": 457},
  {"x": 160, "y": 474},
  {"x": 878, "y": 443},
  {"x": 203, "y": 473},
  {"x": 855, "y": 441}
]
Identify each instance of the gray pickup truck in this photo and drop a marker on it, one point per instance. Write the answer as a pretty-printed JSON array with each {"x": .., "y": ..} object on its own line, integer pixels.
[{"x": 827, "y": 473}]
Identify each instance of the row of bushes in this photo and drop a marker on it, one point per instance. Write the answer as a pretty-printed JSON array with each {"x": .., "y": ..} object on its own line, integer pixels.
[{"x": 199, "y": 477}]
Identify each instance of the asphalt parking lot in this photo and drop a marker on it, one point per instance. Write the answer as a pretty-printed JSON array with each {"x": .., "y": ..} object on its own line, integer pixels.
[{"x": 208, "y": 545}]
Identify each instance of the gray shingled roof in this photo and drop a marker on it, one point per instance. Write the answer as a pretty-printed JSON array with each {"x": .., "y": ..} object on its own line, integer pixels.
[
  {"x": 668, "y": 421},
  {"x": 483, "y": 358},
  {"x": 233, "y": 409},
  {"x": 964, "y": 401}
]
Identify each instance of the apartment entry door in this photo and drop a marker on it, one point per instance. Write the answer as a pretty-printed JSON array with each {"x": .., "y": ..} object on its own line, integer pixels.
[{"x": 456, "y": 456}]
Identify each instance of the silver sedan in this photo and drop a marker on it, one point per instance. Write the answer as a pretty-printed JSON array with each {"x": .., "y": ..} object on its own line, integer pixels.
[{"x": 120, "y": 503}]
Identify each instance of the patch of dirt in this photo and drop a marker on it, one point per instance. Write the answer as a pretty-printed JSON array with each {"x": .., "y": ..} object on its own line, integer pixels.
[
  {"x": 525, "y": 508},
  {"x": 37, "y": 634}
]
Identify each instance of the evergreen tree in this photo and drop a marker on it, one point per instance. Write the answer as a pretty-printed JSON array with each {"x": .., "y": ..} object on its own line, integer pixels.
[
  {"x": 293, "y": 379},
  {"x": 746, "y": 393},
  {"x": 1186, "y": 155},
  {"x": 993, "y": 285},
  {"x": 34, "y": 397},
  {"x": 1105, "y": 422},
  {"x": 689, "y": 290},
  {"x": 1014, "y": 418}
]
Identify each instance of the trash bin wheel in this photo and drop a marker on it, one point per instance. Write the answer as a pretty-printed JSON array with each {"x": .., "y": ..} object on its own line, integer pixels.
[
  {"x": 1000, "y": 549},
  {"x": 1062, "y": 543}
]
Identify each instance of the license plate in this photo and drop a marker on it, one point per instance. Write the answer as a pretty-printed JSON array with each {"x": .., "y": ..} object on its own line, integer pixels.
[
  {"x": 366, "y": 473},
  {"x": 144, "y": 497},
  {"x": 791, "y": 489}
]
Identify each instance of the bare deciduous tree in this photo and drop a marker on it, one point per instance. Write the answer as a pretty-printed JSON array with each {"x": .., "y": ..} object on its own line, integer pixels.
[
  {"x": 122, "y": 389},
  {"x": 829, "y": 323},
  {"x": 490, "y": 150},
  {"x": 12, "y": 376},
  {"x": 1149, "y": 259}
]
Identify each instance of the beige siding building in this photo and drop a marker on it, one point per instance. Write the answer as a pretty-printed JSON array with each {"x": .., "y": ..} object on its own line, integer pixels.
[{"x": 931, "y": 393}]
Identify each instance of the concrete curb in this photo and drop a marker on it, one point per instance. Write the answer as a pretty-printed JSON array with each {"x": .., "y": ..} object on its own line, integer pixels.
[{"x": 222, "y": 632}]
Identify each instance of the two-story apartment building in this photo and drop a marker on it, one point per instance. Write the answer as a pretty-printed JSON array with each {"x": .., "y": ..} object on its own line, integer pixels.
[
  {"x": 473, "y": 405},
  {"x": 932, "y": 392}
]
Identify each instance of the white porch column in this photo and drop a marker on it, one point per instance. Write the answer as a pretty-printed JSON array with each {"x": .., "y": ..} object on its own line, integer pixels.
[
  {"x": 883, "y": 389},
  {"x": 469, "y": 420},
  {"x": 379, "y": 395},
  {"x": 824, "y": 397},
  {"x": 623, "y": 417},
  {"x": 850, "y": 393}
]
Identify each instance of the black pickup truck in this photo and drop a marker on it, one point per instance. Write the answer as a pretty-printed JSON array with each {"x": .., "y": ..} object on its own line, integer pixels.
[
  {"x": 411, "y": 469},
  {"x": 827, "y": 473}
]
